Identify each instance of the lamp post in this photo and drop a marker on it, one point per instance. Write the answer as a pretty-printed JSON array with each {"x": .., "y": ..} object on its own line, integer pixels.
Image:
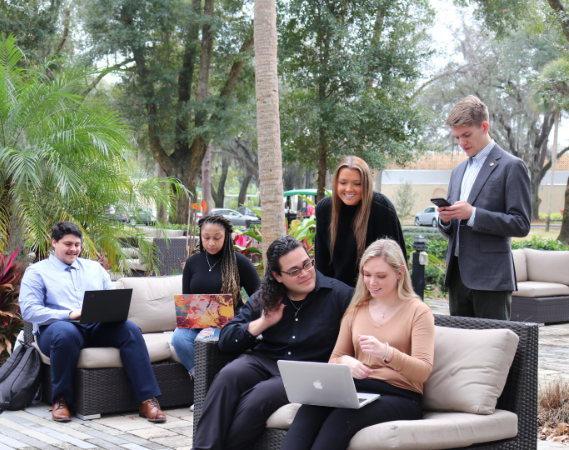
[{"x": 419, "y": 259}]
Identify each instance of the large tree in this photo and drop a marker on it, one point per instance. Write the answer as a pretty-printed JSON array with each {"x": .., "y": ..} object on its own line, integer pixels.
[
  {"x": 501, "y": 73},
  {"x": 350, "y": 68},
  {"x": 182, "y": 64},
  {"x": 538, "y": 17}
]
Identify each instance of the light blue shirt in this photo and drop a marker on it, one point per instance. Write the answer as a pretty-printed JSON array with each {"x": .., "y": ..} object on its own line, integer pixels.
[
  {"x": 473, "y": 167},
  {"x": 51, "y": 289}
]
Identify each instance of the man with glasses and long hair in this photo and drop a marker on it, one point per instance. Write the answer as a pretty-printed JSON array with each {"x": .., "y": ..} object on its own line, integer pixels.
[{"x": 298, "y": 311}]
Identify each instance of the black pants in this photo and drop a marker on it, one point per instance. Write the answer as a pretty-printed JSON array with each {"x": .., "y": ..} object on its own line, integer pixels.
[
  {"x": 467, "y": 302},
  {"x": 323, "y": 428},
  {"x": 240, "y": 400}
]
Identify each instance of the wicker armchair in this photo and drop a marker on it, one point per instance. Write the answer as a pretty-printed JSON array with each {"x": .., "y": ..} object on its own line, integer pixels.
[
  {"x": 519, "y": 395},
  {"x": 102, "y": 391}
]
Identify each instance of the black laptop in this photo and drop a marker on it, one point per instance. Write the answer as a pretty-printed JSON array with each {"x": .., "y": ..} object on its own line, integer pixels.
[{"x": 105, "y": 306}]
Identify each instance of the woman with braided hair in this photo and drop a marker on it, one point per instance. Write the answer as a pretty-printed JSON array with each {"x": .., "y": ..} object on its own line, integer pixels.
[{"x": 216, "y": 269}]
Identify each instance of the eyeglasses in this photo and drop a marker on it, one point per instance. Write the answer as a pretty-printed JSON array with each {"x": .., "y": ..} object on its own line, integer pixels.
[{"x": 308, "y": 266}]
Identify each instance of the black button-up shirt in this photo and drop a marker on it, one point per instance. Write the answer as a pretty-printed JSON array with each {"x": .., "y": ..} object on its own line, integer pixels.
[{"x": 308, "y": 336}]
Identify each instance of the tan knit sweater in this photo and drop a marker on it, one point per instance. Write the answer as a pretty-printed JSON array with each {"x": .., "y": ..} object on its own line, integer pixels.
[{"x": 411, "y": 334}]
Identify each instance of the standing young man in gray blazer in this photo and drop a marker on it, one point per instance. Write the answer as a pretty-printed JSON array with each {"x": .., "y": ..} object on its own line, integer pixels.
[{"x": 491, "y": 202}]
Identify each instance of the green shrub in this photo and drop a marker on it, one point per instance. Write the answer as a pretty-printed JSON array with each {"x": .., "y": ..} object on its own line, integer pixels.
[
  {"x": 539, "y": 243},
  {"x": 555, "y": 217}
]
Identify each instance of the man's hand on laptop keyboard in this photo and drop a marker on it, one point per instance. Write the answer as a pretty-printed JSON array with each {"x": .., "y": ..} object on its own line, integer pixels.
[{"x": 75, "y": 315}]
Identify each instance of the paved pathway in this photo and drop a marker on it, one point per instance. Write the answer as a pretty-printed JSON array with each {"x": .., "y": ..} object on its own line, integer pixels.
[{"x": 33, "y": 429}]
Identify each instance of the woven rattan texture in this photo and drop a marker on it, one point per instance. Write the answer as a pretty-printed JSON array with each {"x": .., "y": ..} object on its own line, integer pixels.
[
  {"x": 102, "y": 391},
  {"x": 540, "y": 309},
  {"x": 519, "y": 395},
  {"x": 170, "y": 255}
]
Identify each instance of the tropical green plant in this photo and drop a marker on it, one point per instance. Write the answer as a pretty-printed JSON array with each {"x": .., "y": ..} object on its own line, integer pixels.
[
  {"x": 304, "y": 231},
  {"x": 10, "y": 318},
  {"x": 64, "y": 156}
]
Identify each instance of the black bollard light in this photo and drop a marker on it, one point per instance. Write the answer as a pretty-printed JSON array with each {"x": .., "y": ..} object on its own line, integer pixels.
[{"x": 418, "y": 261}]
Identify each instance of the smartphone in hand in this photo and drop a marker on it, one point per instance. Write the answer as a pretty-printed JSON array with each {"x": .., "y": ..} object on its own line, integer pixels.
[{"x": 440, "y": 202}]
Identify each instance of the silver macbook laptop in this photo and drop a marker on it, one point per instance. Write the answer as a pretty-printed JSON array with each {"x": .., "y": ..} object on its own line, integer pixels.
[{"x": 322, "y": 384}]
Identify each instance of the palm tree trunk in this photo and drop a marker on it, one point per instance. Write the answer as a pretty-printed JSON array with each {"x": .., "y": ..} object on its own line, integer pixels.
[{"x": 268, "y": 124}]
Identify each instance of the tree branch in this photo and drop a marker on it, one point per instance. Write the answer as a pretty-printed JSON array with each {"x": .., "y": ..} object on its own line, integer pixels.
[
  {"x": 236, "y": 69},
  {"x": 65, "y": 33},
  {"x": 560, "y": 10},
  {"x": 103, "y": 73}
]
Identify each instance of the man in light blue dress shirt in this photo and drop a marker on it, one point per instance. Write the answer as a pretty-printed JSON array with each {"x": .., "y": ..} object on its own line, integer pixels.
[
  {"x": 51, "y": 297},
  {"x": 490, "y": 202}
]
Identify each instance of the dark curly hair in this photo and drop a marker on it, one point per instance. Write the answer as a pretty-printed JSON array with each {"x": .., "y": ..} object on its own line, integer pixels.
[
  {"x": 230, "y": 281},
  {"x": 272, "y": 291},
  {"x": 61, "y": 229}
]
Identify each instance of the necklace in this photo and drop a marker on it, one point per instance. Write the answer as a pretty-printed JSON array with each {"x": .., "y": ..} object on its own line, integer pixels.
[
  {"x": 210, "y": 266},
  {"x": 294, "y": 306},
  {"x": 383, "y": 313}
]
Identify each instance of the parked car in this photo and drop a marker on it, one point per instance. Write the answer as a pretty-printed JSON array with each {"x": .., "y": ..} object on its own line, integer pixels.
[
  {"x": 290, "y": 214},
  {"x": 429, "y": 216},
  {"x": 117, "y": 213},
  {"x": 248, "y": 212},
  {"x": 236, "y": 218},
  {"x": 143, "y": 216}
]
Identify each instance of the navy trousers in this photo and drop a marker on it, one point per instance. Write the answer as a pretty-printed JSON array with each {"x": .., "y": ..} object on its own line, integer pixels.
[
  {"x": 240, "y": 400},
  {"x": 62, "y": 341}
]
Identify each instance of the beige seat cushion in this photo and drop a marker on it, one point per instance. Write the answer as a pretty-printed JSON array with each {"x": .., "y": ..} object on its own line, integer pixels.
[
  {"x": 157, "y": 344},
  {"x": 437, "y": 430},
  {"x": 470, "y": 368},
  {"x": 540, "y": 289},
  {"x": 282, "y": 418},
  {"x": 152, "y": 307},
  {"x": 520, "y": 264},
  {"x": 550, "y": 266}
]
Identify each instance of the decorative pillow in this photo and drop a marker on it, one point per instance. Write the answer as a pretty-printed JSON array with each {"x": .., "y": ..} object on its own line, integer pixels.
[{"x": 470, "y": 369}]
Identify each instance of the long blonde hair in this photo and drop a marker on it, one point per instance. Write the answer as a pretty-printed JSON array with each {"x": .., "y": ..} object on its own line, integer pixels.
[
  {"x": 361, "y": 218},
  {"x": 391, "y": 253}
]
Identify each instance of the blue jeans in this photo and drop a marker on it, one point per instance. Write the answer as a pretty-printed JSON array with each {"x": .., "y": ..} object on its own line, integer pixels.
[{"x": 183, "y": 342}]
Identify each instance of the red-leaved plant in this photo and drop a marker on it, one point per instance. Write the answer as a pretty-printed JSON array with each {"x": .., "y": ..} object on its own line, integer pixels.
[{"x": 11, "y": 321}]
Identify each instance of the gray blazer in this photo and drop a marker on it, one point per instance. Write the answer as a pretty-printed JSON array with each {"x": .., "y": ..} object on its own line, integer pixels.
[{"x": 502, "y": 197}]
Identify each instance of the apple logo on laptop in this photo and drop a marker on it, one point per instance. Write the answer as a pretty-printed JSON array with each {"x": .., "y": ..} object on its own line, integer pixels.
[{"x": 317, "y": 384}]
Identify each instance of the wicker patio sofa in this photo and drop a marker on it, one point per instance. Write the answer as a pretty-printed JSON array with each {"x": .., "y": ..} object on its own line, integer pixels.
[
  {"x": 100, "y": 383},
  {"x": 519, "y": 395},
  {"x": 543, "y": 286}
]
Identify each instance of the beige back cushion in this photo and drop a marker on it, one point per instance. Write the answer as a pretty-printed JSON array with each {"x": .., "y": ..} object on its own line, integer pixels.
[
  {"x": 152, "y": 307},
  {"x": 520, "y": 264},
  {"x": 551, "y": 266},
  {"x": 470, "y": 368}
]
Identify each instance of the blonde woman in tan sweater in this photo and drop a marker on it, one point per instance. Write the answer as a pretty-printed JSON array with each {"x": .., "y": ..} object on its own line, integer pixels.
[{"x": 386, "y": 338}]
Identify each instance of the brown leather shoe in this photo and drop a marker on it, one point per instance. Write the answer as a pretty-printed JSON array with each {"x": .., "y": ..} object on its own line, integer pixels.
[
  {"x": 60, "y": 411},
  {"x": 151, "y": 410}
]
